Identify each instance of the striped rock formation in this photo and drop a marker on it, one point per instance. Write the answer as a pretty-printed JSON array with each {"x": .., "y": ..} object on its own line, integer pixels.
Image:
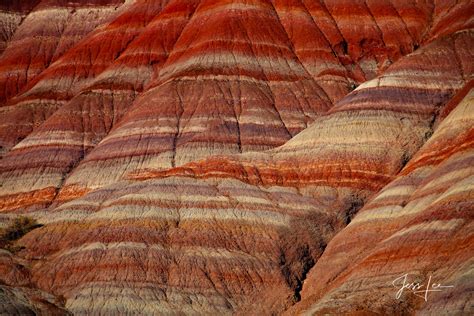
[
  {"x": 44, "y": 35},
  {"x": 268, "y": 83},
  {"x": 188, "y": 246},
  {"x": 12, "y": 13},
  {"x": 78, "y": 126},
  {"x": 201, "y": 155},
  {"x": 17, "y": 297},
  {"x": 421, "y": 224},
  {"x": 45, "y": 31},
  {"x": 195, "y": 230},
  {"x": 366, "y": 138}
]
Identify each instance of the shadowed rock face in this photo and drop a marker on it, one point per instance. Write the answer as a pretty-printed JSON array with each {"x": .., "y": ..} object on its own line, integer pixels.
[{"x": 251, "y": 157}]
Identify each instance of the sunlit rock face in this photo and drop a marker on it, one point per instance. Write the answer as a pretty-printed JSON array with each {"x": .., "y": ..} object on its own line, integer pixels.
[
  {"x": 419, "y": 225},
  {"x": 248, "y": 157}
]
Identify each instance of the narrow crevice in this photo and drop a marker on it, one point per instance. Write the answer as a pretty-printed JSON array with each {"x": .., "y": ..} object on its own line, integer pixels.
[
  {"x": 355, "y": 204},
  {"x": 413, "y": 40},
  {"x": 64, "y": 177},
  {"x": 231, "y": 104},
  {"x": 404, "y": 160},
  {"x": 372, "y": 17},
  {"x": 429, "y": 27},
  {"x": 271, "y": 95},
  {"x": 458, "y": 60},
  {"x": 308, "y": 264},
  {"x": 295, "y": 276},
  {"x": 353, "y": 62},
  {"x": 344, "y": 42},
  {"x": 179, "y": 114},
  {"x": 293, "y": 50}
]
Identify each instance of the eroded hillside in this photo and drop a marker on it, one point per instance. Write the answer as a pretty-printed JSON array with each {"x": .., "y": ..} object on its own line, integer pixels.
[{"x": 248, "y": 157}]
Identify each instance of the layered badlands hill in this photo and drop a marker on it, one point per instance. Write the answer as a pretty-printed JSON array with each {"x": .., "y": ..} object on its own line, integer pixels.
[{"x": 249, "y": 157}]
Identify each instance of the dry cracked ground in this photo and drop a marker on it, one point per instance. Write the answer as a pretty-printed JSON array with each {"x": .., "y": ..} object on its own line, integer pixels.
[{"x": 248, "y": 157}]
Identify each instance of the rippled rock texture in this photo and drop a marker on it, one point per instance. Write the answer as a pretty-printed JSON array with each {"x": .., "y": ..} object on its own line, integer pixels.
[{"x": 248, "y": 156}]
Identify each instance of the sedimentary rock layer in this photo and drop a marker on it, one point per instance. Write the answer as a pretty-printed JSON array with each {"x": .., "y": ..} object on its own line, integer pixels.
[
  {"x": 12, "y": 13},
  {"x": 366, "y": 138},
  {"x": 47, "y": 31},
  {"x": 268, "y": 80},
  {"x": 202, "y": 241},
  {"x": 188, "y": 246},
  {"x": 197, "y": 157},
  {"x": 42, "y": 38},
  {"x": 16, "y": 295},
  {"x": 80, "y": 125},
  {"x": 421, "y": 224}
]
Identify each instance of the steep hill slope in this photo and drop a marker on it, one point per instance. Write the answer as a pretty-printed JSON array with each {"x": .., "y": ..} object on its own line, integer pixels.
[
  {"x": 199, "y": 156},
  {"x": 44, "y": 35},
  {"x": 420, "y": 224}
]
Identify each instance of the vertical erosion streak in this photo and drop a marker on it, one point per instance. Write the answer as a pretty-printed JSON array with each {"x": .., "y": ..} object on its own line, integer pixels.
[
  {"x": 293, "y": 50},
  {"x": 92, "y": 61},
  {"x": 271, "y": 96},
  {"x": 179, "y": 113}
]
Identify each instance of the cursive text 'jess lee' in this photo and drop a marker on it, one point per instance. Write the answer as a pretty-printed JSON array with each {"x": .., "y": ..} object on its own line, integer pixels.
[{"x": 419, "y": 289}]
